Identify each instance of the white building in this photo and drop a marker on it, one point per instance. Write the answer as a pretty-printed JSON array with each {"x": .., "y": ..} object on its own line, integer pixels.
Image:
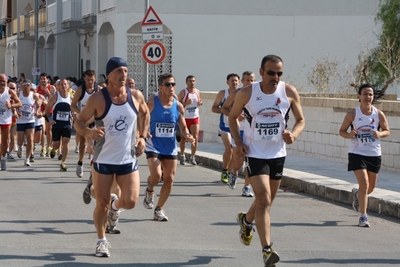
[{"x": 206, "y": 38}]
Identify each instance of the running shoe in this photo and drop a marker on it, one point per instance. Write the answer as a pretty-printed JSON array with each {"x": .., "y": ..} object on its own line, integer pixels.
[
  {"x": 159, "y": 215},
  {"x": 87, "y": 195},
  {"x": 113, "y": 215},
  {"x": 27, "y": 163},
  {"x": 32, "y": 158},
  {"x": 356, "y": 205},
  {"x": 182, "y": 160},
  {"x": 363, "y": 221},
  {"x": 270, "y": 256},
  {"x": 59, "y": 156},
  {"x": 48, "y": 151},
  {"x": 19, "y": 152},
  {"x": 193, "y": 160},
  {"x": 225, "y": 177},
  {"x": 42, "y": 152},
  {"x": 63, "y": 167},
  {"x": 102, "y": 249},
  {"x": 79, "y": 170},
  {"x": 246, "y": 192},
  {"x": 112, "y": 230},
  {"x": 148, "y": 201},
  {"x": 3, "y": 164},
  {"x": 9, "y": 156},
  {"x": 53, "y": 153},
  {"x": 77, "y": 149},
  {"x": 232, "y": 181},
  {"x": 246, "y": 232}
]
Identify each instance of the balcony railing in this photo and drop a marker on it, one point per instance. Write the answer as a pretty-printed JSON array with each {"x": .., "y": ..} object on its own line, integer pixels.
[
  {"x": 22, "y": 23},
  {"x": 89, "y": 8},
  {"x": 105, "y": 5},
  {"x": 72, "y": 10},
  {"x": 14, "y": 26}
]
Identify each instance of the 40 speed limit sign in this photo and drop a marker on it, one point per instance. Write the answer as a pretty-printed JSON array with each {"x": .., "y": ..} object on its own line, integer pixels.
[{"x": 153, "y": 52}]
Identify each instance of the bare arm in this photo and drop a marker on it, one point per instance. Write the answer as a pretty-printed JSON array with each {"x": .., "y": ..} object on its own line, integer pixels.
[
  {"x": 75, "y": 100},
  {"x": 143, "y": 122},
  {"x": 226, "y": 107},
  {"x": 297, "y": 111},
  {"x": 240, "y": 100},
  {"x": 49, "y": 105},
  {"x": 348, "y": 119},
  {"x": 16, "y": 101},
  {"x": 90, "y": 110},
  {"x": 216, "y": 107},
  {"x": 383, "y": 123}
]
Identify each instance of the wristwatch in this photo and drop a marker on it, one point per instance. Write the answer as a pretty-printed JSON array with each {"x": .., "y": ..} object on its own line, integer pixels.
[{"x": 142, "y": 136}]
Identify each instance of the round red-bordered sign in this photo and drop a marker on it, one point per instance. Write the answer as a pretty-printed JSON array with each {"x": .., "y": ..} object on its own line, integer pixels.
[{"x": 153, "y": 52}]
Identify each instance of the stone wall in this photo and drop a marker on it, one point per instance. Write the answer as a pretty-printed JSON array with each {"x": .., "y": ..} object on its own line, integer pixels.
[{"x": 320, "y": 138}]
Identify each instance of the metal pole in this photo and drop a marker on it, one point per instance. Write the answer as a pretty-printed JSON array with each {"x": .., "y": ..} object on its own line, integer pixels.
[
  {"x": 36, "y": 65},
  {"x": 146, "y": 68}
]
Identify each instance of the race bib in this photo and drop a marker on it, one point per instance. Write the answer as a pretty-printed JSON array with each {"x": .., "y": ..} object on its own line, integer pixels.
[
  {"x": 62, "y": 116},
  {"x": 165, "y": 130},
  {"x": 267, "y": 131},
  {"x": 365, "y": 139}
]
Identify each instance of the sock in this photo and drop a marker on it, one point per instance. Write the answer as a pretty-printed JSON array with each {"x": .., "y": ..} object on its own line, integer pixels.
[
  {"x": 364, "y": 215},
  {"x": 224, "y": 170},
  {"x": 101, "y": 240},
  {"x": 80, "y": 163},
  {"x": 113, "y": 206},
  {"x": 246, "y": 222},
  {"x": 147, "y": 189}
]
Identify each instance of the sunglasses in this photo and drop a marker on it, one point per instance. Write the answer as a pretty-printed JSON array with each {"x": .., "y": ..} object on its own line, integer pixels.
[
  {"x": 273, "y": 73},
  {"x": 169, "y": 84},
  {"x": 27, "y": 84}
]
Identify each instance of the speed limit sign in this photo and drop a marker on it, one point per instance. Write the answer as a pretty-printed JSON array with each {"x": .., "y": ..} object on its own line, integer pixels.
[{"x": 153, "y": 52}]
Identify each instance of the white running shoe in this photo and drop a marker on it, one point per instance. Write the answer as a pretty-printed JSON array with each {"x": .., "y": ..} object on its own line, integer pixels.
[
  {"x": 159, "y": 215},
  {"x": 27, "y": 163},
  {"x": 363, "y": 221},
  {"x": 102, "y": 249},
  {"x": 148, "y": 201},
  {"x": 113, "y": 215},
  {"x": 79, "y": 170},
  {"x": 193, "y": 160},
  {"x": 246, "y": 192}
]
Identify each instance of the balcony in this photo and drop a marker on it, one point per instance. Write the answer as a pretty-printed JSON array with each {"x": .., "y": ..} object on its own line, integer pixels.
[
  {"x": 106, "y": 5},
  {"x": 72, "y": 15},
  {"x": 89, "y": 12}
]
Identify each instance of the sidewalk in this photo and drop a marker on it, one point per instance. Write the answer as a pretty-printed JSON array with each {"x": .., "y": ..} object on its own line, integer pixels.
[{"x": 322, "y": 178}]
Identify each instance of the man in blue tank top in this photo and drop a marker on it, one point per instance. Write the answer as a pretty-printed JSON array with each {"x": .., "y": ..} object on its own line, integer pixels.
[
  {"x": 166, "y": 113},
  {"x": 120, "y": 113}
]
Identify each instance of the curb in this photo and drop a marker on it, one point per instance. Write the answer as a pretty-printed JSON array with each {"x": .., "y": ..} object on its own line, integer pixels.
[{"x": 336, "y": 193}]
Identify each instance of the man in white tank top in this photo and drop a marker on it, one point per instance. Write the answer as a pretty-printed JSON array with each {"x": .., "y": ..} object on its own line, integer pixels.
[
  {"x": 8, "y": 101},
  {"x": 191, "y": 101},
  {"x": 26, "y": 119},
  {"x": 122, "y": 119},
  {"x": 265, "y": 105}
]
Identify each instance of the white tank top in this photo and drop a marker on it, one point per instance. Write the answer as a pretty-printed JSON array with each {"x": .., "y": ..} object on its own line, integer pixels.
[
  {"x": 365, "y": 144},
  {"x": 27, "y": 110},
  {"x": 117, "y": 145},
  {"x": 265, "y": 120},
  {"x": 5, "y": 113},
  {"x": 192, "y": 110}
]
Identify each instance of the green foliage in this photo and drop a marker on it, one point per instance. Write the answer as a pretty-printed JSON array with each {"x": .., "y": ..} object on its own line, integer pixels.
[{"x": 381, "y": 65}]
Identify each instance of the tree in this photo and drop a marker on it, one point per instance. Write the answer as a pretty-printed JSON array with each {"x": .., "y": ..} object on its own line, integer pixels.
[{"x": 381, "y": 65}]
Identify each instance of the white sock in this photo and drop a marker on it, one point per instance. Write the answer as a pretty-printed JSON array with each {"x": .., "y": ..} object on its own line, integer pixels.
[{"x": 101, "y": 240}]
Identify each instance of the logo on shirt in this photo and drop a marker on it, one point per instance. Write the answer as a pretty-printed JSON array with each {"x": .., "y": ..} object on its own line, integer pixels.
[
  {"x": 2, "y": 108},
  {"x": 258, "y": 98},
  {"x": 372, "y": 121},
  {"x": 119, "y": 127},
  {"x": 278, "y": 101}
]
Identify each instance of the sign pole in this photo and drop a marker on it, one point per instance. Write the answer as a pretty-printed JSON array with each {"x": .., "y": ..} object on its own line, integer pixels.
[{"x": 146, "y": 68}]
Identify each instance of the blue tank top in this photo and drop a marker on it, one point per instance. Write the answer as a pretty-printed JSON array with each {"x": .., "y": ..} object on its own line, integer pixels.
[
  {"x": 223, "y": 119},
  {"x": 163, "y": 124}
]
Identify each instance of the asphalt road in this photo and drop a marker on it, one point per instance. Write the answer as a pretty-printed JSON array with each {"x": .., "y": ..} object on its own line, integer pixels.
[{"x": 44, "y": 222}]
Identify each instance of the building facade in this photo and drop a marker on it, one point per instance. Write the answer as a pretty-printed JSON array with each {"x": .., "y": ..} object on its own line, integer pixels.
[{"x": 207, "y": 38}]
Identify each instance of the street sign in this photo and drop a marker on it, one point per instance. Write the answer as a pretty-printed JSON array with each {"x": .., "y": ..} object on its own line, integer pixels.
[
  {"x": 152, "y": 27},
  {"x": 153, "y": 52},
  {"x": 35, "y": 71}
]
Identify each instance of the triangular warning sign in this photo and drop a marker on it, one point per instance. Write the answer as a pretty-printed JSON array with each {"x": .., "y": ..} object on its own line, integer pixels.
[{"x": 151, "y": 18}]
